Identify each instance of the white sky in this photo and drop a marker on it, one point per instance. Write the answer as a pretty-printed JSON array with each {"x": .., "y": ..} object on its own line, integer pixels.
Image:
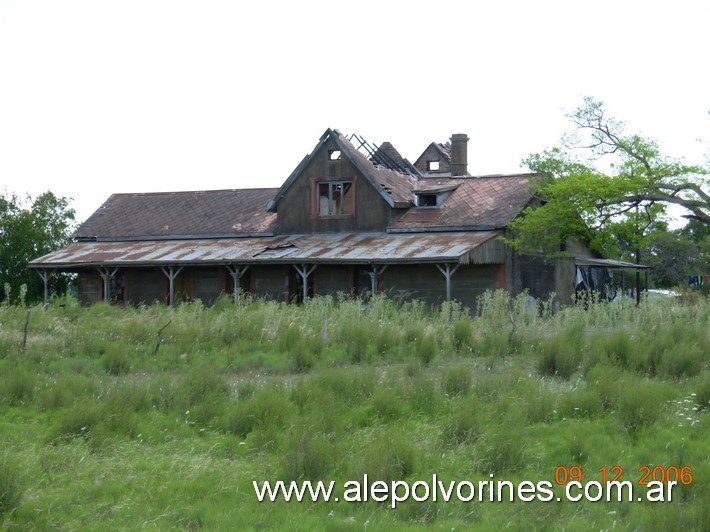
[{"x": 102, "y": 96}]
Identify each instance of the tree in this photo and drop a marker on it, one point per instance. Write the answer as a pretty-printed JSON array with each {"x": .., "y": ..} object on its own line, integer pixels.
[
  {"x": 606, "y": 187},
  {"x": 30, "y": 232}
]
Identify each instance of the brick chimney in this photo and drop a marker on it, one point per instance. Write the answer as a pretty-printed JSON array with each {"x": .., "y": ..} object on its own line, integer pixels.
[{"x": 459, "y": 154}]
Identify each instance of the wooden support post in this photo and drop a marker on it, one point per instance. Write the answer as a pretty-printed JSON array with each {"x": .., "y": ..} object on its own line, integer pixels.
[
  {"x": 237, "y": 272},
  {"x": 171, "y": 273},
  {"x": 448, "y": 271},
  {"x": 374, "y": 275},
  {"x": 45, "y": 275},
  {"x": 304, "y": 271},
  {"x": 107, "y": 274}
]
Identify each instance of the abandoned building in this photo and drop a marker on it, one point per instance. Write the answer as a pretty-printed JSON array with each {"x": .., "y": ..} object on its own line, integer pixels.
[{"x": 352, "y": 218}]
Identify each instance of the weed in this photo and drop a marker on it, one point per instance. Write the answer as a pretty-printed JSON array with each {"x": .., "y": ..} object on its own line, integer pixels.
[
  {"x": 464, "y": 425},
  {"x": 387, "y": 404},
  {"x": 582, "y": 402},
  {"x": 116, "y": 361},
  {"x": 559, "y": 356},
  {"x": 17, "y": 386},
  {"x": 462, "y": 335},
  {"x": 456, "y": 381},
  {"x": 309, "y": 454},
  {"x": 355, "y": 336},
  {"x": 682, "y": 360},
  {"x": 640, "y": 403},
  {"x": 504, "y": 448},
  {"x": 10, "y": 489},
  {"x": 390, "y": 456},
  {"x": 702, "y": 393},
  {"x": 427, "y": 348}
]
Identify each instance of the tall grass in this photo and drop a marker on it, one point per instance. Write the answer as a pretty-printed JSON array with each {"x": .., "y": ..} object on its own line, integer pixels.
[{"x": 104, "y": 427}]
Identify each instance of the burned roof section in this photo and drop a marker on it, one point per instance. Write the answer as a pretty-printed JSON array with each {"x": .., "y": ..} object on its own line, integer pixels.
[{"x": 170, "y": 215}]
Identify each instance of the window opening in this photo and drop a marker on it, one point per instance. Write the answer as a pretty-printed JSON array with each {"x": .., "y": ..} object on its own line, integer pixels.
[
  {"x": 427, "y": 200},
  {"x": 335, "y": 198}
]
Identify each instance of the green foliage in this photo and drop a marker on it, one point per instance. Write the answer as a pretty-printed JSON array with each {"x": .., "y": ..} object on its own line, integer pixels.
[
  {"x": 194, "y": 425},
  {"x": 462, "y": 335},
  {"x": 10, "y": 489},
  {"x": 580, "y": 198},
  {"x": 27, "y": 233},
  {"x": 116, "y": 362},
  {"x": 560, "y": 356},
  {"x": 17, "y": 386},
  {"x": 456, "y": 381},
  {"x": 391, "y": 455}
]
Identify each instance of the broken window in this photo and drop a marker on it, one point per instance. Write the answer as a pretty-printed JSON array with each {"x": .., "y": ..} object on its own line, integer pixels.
[
  {"x": 432, "y": 166},
  {"x": 426, "y": 200},
  {"x": 333, "y": 155},
  {"x": 335, "y": 198}
]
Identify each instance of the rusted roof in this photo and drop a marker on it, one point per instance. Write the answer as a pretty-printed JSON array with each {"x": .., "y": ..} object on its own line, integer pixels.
[
  {"x": 210, "y": 213},
  {"x": 344, "y": 248},
  {"x": 476, "y": 203}
]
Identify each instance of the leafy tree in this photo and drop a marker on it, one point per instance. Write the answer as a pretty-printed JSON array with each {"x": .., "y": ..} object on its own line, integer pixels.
[
  {"x": 673, "y": 257},
  {"x": 27, "y": 233},
  {"x": 609, "y": 188}
]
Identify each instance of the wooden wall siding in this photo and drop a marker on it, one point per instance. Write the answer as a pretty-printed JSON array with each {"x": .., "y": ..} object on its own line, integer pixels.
[
  {"x": 427, "y": 283},
  {"x": 89, "y": 288},
  {"x": 270, "y": 282},
  {"x": 372, "y": 213},
  {"x": 209, "y": 284},
  {"x": 145, "y": 287},
  {"x": 329, "y": 280},
  {"x": 492, "y": 252}
]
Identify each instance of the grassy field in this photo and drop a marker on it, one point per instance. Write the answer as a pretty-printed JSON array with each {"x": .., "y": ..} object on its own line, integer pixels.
[{"x": 102, "y": 426}]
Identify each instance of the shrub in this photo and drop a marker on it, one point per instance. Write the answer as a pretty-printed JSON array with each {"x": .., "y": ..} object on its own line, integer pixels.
[
  {"x": 504, "y": 448},
  {"x": 66, "y": 390},
  {"x": 386, "y": 403},
  {"x": 116, "y": 362},
  {"x": 582, "y": 402},
  {"x": 456, "y": 381},
  {"x": 390, "y": 456},
  {"x": 462, "y": 335},
  {"x": 620, "y": 348},
  {"x": 682, "y": 360},
  {"x": 464, "y": 425},
  {"x": 702, "y": 392},
  {"x": 268, "y": 409},
  {"x": 77, "y": 422},
  {"x": 203, "y": 384},
  {"x": 309, "y": 454},
  {"x": 10, "y": 489},
  {"x": 640, "y": 403},
  {"x": 17, "y": 386},
  {"x": 427, "y": 348},
  {"x": 355, "y": 337},
  {"x": 559, "y": 356}
]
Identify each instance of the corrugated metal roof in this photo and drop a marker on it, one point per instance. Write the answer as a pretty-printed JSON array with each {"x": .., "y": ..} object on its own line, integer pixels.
[
  {"x": 609, "y": 263},
  {"x": 344, "y": 248}
]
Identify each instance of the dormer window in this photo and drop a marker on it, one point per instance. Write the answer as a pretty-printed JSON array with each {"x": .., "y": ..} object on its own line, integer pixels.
[
  {"x": 432, "y": 166},
  {"x": 335, "y": 198},
  {"x": 426, "y": 200}
]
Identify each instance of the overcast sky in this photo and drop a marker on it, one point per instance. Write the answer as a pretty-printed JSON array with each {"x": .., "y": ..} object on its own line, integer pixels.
[{"x": 98, "y": 97}]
